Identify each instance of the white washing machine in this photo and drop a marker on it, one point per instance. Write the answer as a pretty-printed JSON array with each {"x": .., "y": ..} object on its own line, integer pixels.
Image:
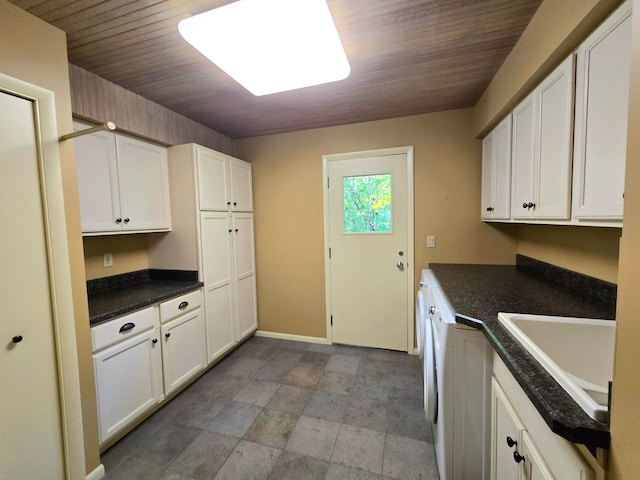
[{"x": 457, "y": 386}]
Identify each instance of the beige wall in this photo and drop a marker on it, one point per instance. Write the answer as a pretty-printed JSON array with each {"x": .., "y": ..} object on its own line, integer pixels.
[
  {"x": 555, "y": 30},
  {"x": 129, "y": 254},
  {"x": 287, "y": 183},
  {"x": 35, "y": 52},
  {"x": 625, "y": 421},
  {"x": 588, "y": 250}
]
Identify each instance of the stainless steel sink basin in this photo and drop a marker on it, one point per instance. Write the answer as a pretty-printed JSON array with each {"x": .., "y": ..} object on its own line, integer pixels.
[{"x": 577, "y": 352}]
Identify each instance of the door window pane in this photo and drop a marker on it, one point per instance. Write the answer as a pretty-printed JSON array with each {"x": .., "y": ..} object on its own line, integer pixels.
[{"x": 367, "y": 203}]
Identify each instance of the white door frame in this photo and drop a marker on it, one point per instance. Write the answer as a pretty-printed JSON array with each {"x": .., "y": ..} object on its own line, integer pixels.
[
  {"x": 408, "y": 152},
  {"x": 59, "y": 270}
]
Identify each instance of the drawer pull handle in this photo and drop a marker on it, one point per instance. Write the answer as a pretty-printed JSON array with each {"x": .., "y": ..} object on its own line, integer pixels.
[
  {"x": 183, "y": 305},
  {"x": 511, "y": 442},
  {"x": 126, "y": 327},
  {"x": 517, "y": 457}
]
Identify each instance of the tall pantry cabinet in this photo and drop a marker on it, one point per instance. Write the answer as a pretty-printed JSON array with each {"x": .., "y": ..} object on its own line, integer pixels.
[{"x": 212, "y": 207}]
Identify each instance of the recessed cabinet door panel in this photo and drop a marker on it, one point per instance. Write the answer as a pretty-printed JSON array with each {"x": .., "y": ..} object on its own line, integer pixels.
[
  {"x": 144, "y": 185},
  {"x": 523, "y": 158},
  {"x": 128, "y": 381},
  {"x": 212, "y": 180},
  {"x": 98, "y": 189},
  {"x": 247, "y": 314},
  {"x": 602, "y": 96},
  {"x": 243, "y": 244},
  {"x": 217, "y": 268},
  {"x": 241, "y": 191},
  {"x": 506, "y": 429},
  {"x": 182, "y": 350},
  {"x": 552, "y": 182}
]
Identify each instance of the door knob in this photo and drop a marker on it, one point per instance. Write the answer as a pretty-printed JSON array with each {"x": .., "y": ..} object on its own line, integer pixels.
[{"x": 400, "y": 265}]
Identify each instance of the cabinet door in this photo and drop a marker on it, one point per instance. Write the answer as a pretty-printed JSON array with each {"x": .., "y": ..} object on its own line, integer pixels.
[
  {"x": 506, "y": 436},
  {"x": 554, "y": 116},
  {"x": 241, "y": 186},
  {"x": 487, "y": 176},
  {"x": 217, "y": 274},
  {"x": 213, "y": 174},
  {"x": 128, "y": 381},
  {"x": 496, "y": 164},
  {"x": 97, "y": 181},
  {"x": 523, "y": 158},
  {"x": 245, "y": 279},
  {"x": 602, "y": 96},
  {"x": 144, "y": 185},
  {"x": 533, "y": 467},
  {"x": 182, "y": 350}
]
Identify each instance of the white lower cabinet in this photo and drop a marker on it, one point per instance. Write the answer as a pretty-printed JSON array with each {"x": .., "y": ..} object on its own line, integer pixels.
[
  {"x": 522, "y": 445},
  {"x": 128, "y": 381},
  {"x": 182, "y": 350},
  {"x": 138, "y": 361}
]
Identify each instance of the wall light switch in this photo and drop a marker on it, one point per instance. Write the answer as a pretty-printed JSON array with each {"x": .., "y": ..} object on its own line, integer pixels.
[
  {"x": 107, "y": 259},
  {"x": 431, "y": 241}
]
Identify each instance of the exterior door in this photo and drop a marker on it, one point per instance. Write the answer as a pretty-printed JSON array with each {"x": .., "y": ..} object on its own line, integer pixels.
[
  {"x": 31, "y": 440},
  {"x": 370, "y": 252}
]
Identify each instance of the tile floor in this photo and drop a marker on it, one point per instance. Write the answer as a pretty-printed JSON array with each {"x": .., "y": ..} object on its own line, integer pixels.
[{"x": 277, "y": 409}]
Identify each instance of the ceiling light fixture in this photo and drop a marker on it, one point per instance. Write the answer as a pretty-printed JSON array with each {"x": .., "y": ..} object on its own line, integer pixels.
[{"x": 270, "y": 46}]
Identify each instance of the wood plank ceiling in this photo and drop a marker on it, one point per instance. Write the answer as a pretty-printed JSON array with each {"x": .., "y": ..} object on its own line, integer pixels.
[{"x": 407, "y": 57}]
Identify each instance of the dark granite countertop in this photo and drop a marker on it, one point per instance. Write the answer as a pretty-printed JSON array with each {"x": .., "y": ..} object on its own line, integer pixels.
[
  {"x": 477, "y": 293},
  {"x": 117, "y": 295}
]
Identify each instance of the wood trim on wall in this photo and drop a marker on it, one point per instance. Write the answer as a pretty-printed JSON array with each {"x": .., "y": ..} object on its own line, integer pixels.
[{"x": 98, "y": 100}]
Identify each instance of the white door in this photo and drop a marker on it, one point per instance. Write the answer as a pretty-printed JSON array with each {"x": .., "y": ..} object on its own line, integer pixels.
[
  {"x": 245, "y": 273},
  {"x": 182, "y": 350},
  {"x": 370, "y": 249},
  {"x": 30, "y": 410}
]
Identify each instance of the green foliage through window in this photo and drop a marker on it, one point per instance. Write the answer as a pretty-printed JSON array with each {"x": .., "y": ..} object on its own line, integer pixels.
[{"x": 367, "y": 203}]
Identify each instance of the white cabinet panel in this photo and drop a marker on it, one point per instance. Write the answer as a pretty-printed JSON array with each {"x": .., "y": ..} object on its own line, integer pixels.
[
  {"x": 128, "y": 381},
  {"x": 144, "y": 185},
  {"x": 602, "y": 96},
  {"x": 183, "y": 350},
  {"x": 218, "y": 276},
  {"x": 241, "y": 186},
  {"x": 496, "y": 165},
  {"x": 98, "y": 189},
  {"x": 506, "y": 436},
  {"x": 542, "y": 136},
  {"x": 123, "y": 184},
  {"x": 213, "y": 172}
]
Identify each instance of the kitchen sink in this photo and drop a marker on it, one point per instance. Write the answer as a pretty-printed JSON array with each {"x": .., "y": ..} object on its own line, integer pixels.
[{"x": 577, "y": 352}]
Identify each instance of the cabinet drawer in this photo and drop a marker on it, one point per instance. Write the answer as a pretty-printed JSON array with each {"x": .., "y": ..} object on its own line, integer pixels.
[
  {"x": 123, "y": 327},
  {"x": 180, "y": 305}
]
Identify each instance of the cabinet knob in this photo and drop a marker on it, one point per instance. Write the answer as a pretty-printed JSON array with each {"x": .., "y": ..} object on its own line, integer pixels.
[
  {"x": 432, "y": 309},
  {"x": 168, "y": 334},
  {"x": 511, "y": 442},
  {"x": 228, "y": 203},
  {"x": 126, "y": 220},
  {"x": 154, "y": 341},
  {"x": 517, "y": 457},
  {"x": 531, "y": 205},
  {"x": 489, "y": 209},
  {"x": 235, "y": 203},
  {"x": 230, "y": 230},
  {"x": 118, "y": 220},
  {"x": 17, "y": 339},
  {"x": 525, "y": 205},
  {"x": 236, "y": 230}
]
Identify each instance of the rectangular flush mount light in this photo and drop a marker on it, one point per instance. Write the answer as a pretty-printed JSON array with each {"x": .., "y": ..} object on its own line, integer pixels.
[{"x": 270, "y": 46}]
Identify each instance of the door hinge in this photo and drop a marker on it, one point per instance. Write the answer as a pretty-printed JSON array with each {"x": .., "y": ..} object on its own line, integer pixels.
[
  {"x": 327, "y": 182},
  {"x": 332, "y": 320},
  {"x": 329, "y": 252}
]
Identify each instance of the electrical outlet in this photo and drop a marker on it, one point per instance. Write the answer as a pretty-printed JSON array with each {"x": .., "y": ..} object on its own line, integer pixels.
[
  {"x": 431, "y": 241},
  {"x": 107, "y": 259}
]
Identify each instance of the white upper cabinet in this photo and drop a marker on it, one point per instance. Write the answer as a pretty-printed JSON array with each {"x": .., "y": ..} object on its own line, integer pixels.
[
  {"x": 123, "y": 184},
  {"x": 496, "y": 172},
  {"x": 224, "y": 182},
  {"x": 541, "y": 154},
  {"x": 602, "y": 94}
]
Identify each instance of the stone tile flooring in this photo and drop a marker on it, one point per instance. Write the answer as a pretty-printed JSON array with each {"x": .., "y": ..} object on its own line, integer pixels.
[{"x": 278, "y": 409}]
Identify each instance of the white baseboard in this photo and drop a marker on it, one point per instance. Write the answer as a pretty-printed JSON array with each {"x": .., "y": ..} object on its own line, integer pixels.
[
  {"x": 97, "y": 474},
  {"x": 296, "y": 338}
]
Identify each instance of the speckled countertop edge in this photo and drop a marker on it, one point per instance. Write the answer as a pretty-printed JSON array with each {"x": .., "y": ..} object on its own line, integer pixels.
[
  {"x": 477, "y": 293},
  {"x": 121, "y": 294}
]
